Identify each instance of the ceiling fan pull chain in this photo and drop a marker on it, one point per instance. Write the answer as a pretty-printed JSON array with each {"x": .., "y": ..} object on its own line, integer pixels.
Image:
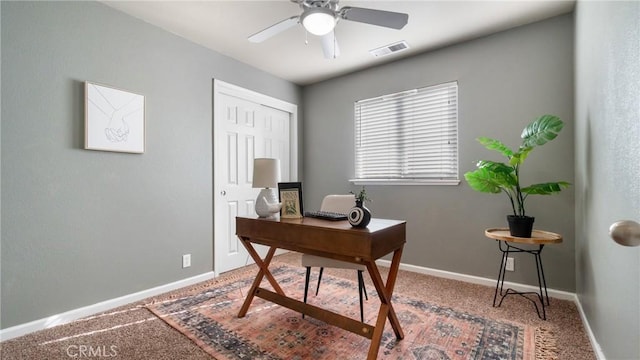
[
  {"x": 335, "y": 42},
  {"x": 306, "y": 37}
]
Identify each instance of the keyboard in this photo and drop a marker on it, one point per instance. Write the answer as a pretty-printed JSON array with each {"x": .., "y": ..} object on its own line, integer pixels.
[{"x": 326, "y": 215}]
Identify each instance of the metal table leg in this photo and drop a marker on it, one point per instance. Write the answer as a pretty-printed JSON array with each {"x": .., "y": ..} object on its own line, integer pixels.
[{"x": 542, "y": 296}]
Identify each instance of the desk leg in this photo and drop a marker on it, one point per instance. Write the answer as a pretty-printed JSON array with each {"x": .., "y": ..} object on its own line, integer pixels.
[
  {"x": 264, "y": 271},
  {"x": 386, "y": 308}
]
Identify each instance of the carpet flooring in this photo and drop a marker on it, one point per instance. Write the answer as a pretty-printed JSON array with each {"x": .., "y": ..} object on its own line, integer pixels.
[
  {"x": 272, "y": 332},
  {"x": 133, "y": 332}
]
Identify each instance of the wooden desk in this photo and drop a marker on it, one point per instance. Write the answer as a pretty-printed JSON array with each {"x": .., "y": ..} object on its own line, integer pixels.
[
  {"x": 332, "y": 239},
  {"x": 538, "y": 237}
]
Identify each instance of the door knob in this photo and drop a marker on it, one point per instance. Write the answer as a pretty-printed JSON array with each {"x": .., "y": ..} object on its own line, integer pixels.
[
  {"x": 625, "y": 232},
  {"x": 223, "y": 193}
]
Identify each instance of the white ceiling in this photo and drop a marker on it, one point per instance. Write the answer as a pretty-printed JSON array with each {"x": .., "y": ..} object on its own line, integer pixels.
[{"x": 225, "y": 25}]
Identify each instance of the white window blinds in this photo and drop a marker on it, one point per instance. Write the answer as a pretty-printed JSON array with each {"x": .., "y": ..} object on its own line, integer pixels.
[{"x": 408, "y": 137}]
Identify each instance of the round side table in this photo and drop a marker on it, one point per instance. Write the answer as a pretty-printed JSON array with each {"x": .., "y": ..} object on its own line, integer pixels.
[{"x": 506, "y": 245}]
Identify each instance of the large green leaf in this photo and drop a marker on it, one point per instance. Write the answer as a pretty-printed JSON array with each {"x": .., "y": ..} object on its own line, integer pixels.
[
  {"x": 540, "y": 131},
  {"x": 493, "y": 144},
  {"x": 485, "y": 180},
  {"x": 502, "y": 173},
  {"x": 546, "y": 188},
  {"x": 482, "y": 180}
]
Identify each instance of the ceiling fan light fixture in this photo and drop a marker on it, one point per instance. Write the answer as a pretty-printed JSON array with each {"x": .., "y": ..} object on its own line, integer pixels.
[{"x": 318, "y": 21}]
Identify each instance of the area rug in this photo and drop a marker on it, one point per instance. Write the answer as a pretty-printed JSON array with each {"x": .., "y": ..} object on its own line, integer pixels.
[{"x": 269, "y": 331}]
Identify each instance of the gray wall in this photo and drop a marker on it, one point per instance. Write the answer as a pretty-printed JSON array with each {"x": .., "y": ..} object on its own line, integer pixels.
[
  {"x": 505, "y": 81},
  {"x": 79, "y": 226},
  {"x": 608, "y": 170}
]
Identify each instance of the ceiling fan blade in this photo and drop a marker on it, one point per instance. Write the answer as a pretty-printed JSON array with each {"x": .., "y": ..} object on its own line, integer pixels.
[
  {"x": 384, "y": 18},
  {"x": 272, "y": 30},
  {"x": 330, "y": 46}
]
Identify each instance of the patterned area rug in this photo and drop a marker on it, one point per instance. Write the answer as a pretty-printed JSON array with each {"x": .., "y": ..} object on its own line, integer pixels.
[{"x": 270, "y": 331}]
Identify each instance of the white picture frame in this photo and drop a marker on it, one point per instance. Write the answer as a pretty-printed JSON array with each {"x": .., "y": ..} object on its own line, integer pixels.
[{"x": 114, "y": 119}]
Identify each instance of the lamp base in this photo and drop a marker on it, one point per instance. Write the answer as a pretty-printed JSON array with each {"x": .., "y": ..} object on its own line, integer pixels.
[{"x": 267, "y": 205}]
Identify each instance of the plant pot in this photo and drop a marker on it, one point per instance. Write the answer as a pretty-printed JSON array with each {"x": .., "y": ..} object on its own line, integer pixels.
[
  {"x": 520, "y": 226},
  {"x": 359, "y": 216}
]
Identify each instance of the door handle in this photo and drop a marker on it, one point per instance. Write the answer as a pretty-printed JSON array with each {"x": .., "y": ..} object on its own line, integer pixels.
[
  {"x": 223, "y": 193},
  {"x": 625, "y": 232}
]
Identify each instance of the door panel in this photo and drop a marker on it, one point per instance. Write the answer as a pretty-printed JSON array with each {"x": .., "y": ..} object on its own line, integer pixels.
[{"x": 243, "y": 130}]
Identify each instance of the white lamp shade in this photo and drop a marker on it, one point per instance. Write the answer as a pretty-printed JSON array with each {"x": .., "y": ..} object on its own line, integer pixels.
[
  {"x": 266, "y": 173},
  {"x": 318, "y": 21}
]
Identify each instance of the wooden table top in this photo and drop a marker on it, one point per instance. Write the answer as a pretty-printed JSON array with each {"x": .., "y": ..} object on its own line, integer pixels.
[
  {"x": 334, "y": 239},
  {"x": 538, "y": 237}
]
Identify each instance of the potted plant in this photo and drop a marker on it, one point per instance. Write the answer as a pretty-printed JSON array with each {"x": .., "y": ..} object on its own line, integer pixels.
[
  {"x": 361, "y": 196},
  {"x": 496, "y": 177}
]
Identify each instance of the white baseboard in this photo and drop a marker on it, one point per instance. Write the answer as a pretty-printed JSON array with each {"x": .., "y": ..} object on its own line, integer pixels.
[
  {"x": 592, "y": 338},
  {"x": 558, "y": 294},
  {"x": 59, "y": 319},
  {"x": 75, "y": 314}
]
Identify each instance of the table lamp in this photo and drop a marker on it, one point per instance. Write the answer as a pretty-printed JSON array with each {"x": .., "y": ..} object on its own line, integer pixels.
[{"x": 266, "y": 175}]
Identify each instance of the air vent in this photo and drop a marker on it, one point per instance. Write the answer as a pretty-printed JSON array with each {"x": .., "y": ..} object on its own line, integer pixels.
[{"x": 390, "y": 49}]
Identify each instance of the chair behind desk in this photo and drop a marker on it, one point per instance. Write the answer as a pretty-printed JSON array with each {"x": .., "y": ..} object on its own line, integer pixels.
[{"x": 339, "y": 204}]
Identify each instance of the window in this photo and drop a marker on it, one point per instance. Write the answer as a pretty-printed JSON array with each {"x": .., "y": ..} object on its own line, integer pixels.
[{"x": 410, "y": 137}]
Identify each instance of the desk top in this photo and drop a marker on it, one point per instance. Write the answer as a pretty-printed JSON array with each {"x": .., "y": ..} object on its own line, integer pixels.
[
  {"x": 537, "y": 236},
  {"x": 334, "y": 239}
]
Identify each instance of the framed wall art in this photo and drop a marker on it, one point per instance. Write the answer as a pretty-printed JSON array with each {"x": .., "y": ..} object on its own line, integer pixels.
[
  {"x": 114, "y": 119},
  {"x": 290, "y": 195}
]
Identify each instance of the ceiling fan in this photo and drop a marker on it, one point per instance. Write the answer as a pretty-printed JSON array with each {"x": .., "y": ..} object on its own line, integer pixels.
[{"x": 319, "y": 17}]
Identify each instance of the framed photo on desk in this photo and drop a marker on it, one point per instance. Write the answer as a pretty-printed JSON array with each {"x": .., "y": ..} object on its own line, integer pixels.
[{"x": 290, "y": 195}]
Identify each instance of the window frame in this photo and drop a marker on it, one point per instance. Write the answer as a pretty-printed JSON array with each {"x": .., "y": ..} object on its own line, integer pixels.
[{"x": 409, "y": 180}]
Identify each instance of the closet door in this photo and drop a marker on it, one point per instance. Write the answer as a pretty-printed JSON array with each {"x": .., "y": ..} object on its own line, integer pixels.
[{"x": 244, "y": 130}]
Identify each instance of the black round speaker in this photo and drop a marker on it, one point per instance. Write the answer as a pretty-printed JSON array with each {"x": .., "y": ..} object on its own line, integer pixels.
[{"x": 359, "y": 216}]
